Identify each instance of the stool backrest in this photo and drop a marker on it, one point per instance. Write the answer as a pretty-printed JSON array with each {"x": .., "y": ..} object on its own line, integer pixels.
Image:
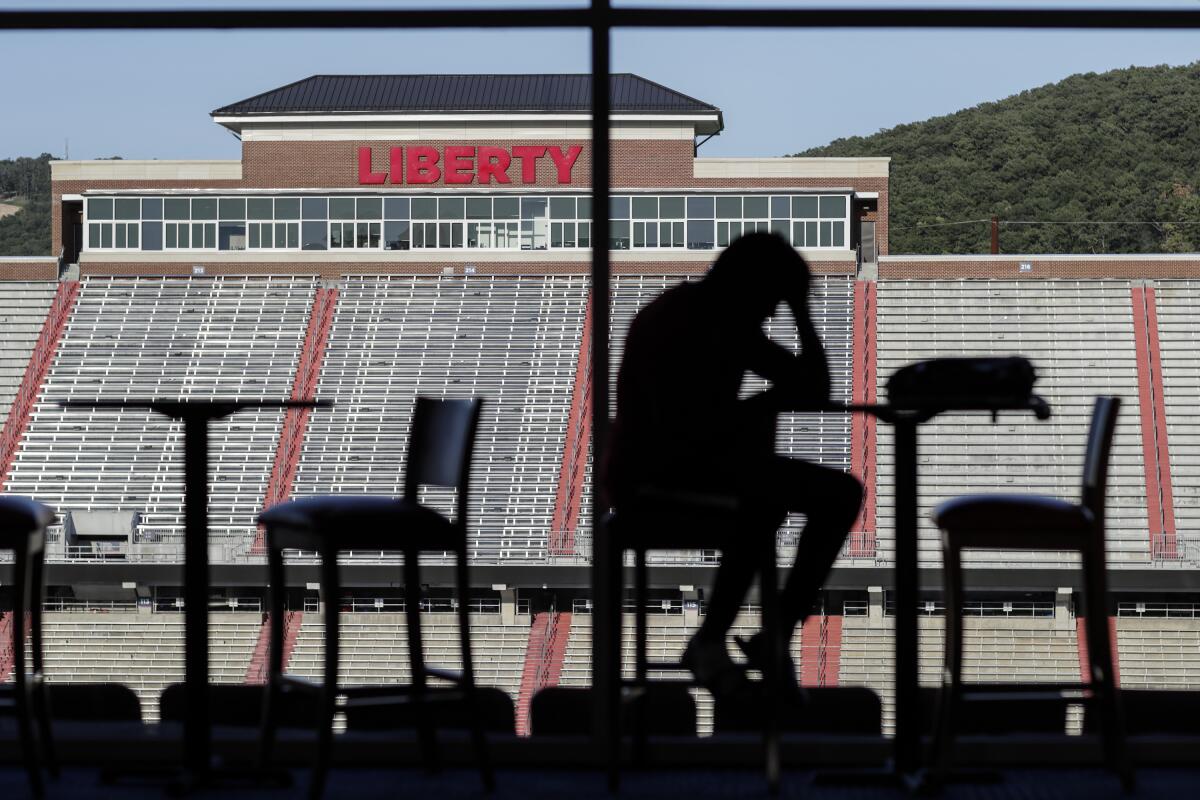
[
  {"x": 1095, "y": 463},
  {"x": 440, "y": 444}
]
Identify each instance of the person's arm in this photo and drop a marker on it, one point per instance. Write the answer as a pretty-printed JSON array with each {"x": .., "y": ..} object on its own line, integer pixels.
[{"x": 814, "y": 365}]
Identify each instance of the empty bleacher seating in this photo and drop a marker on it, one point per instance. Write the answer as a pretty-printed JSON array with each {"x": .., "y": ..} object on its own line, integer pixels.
[
  {"x": 512, "y": 340},
  {"x": 174, "y": 338},
  {"x": 1158, "y": 653},
  {"x": 25, "y": 304},
  {"x": 374, "y": 648},
  {"x": 1079, "y": 336},
  {"x": 1179, "y": 342},
  {"x": 995, "y": 649},
  {"x": 142, "y": 651},
  {"x": 666, "y": 637}
]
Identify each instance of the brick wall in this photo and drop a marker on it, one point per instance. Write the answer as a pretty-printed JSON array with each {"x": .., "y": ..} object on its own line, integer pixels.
[{"x": 25, "y": 270}]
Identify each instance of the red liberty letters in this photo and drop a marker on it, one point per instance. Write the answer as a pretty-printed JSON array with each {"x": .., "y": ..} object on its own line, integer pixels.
[{"x": 464, "y": 164}]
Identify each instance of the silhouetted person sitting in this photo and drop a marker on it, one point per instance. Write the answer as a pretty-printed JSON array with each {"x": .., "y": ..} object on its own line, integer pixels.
[{"x": 681, "y": 427}]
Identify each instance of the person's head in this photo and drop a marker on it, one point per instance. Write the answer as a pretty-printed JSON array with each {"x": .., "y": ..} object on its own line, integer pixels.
[{"x": 756, "y": 273}]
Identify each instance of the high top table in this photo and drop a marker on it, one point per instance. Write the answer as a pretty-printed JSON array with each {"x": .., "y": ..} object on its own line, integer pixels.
[
  {"x": 906, "y": 767},
  {"x": 195, "y": 416}
]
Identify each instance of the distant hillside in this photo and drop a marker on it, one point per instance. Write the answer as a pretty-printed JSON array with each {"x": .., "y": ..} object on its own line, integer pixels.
[
  {"x": 25, "y": 182},
  {"x": 1118, "y": 147}
]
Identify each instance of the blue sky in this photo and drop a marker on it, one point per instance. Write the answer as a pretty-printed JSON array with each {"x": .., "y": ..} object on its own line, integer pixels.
[{"x": 144, "y": 95}]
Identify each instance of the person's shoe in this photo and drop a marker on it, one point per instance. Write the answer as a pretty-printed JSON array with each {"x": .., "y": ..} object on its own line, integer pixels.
[
  {"x": 757, "y": 654},
  {"x": 710, "y": 664}
]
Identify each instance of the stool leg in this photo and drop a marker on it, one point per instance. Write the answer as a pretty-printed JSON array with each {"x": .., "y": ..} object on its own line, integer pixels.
[
  {"x": 21, "y": 598},
  {"x": 773, "y": 675},
  {"x": 40, "y": 699},
  {"x": 478, "y": 739},
  {"x": 641, "y": 699},
  {"x": 416, "y": 658},
  {"x": 1102, "y": 676},
  {"x": 615, "y": 579},
  {"x": 330, "y": 592},
  {"x": 950, "y": 698},
  {"x": 276, "y": 587}
]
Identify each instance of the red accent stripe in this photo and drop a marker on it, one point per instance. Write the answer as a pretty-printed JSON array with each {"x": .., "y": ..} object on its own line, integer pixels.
[
  {"x": 573, "y": 469},
  {"x": 1116, "y": 655},
  {"x": 810, "y": 651},
  {"x": 304, "y": 387},
  {"x": 6, "y": 645},
  {"x": 1168, "y": 548},
  {"x": 534, "y": 648},
  {"x": 862, "y": 427},
  {"x": 39, "y": 365},
  {"x": 1146, "y": 412},
  {"x": 560, "y": 633},
  {"x": 1160, "y": 504},
  {"x": 544, "y": 654},
  {"x": 1081, "y": 646},
  {"x": 256, "y": 673}
]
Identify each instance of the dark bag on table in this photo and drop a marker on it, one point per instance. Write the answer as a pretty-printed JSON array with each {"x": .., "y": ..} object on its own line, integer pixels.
[{"x": 963, "y": 383}]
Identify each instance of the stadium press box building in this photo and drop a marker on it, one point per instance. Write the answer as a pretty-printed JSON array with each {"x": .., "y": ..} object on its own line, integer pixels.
[{"x": 444, "y": 172}]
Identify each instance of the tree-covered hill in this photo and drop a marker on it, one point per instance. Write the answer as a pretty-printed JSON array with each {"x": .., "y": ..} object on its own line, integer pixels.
[
  {"x": 1121, "y": 147},
  {"x": 27, "y": 232}
]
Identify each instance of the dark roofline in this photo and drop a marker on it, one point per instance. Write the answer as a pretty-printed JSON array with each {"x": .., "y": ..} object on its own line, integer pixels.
[{"x": 237, "y": 108}]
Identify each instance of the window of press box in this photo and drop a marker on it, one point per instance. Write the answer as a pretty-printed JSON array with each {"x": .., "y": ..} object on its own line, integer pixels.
[{"x": 694, "y": 222}]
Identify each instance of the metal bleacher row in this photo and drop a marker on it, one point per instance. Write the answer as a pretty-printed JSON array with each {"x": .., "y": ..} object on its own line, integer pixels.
[
  {"x": 25, "y": 304},
  {"x": 512, "y": 340},
  {"x": 145, "y": 651},
  {"x": 515, "y": 341},
  {"x": 142, "y": 651},
  {"x": 130, "y": 338},
  {"x": 995, "y": 650},
  {"x": 1080, "y": 337},
  {"x": 1179, "y": 337},
  {"x": 374, "y": 648}
]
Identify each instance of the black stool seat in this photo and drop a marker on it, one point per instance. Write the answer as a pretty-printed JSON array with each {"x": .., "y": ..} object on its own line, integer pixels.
[
  {"x": 439, "y": 454},
  {"x": 1034, "y": 522},
  {"x": 989, "y": 521},
  {"x": 352, "y": 522},
  {"x": 23, "y": 531}
]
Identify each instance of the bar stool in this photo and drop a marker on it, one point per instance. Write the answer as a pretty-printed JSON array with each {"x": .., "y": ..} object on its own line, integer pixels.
[
  {"x": 675, "y": 520},
  {"x": 1025, "y": 522},
  {"x": 23, "y": 525},
  {"x": 439, "y": 454}
]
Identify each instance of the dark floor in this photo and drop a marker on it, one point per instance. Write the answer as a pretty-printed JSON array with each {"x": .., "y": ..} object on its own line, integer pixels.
[{"x": 362, "y": 784}]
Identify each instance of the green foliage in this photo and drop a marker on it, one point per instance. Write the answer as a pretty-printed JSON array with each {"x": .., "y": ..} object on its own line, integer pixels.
[
  {"x": 1119, "y": 147},
  {"x": 27, "y": 232},
  {"x": 26, "y": 177}
]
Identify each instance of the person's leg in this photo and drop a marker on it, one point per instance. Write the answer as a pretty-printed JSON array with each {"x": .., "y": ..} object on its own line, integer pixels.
[
  {"x": 728, "y": 591},
  {"x": 830, "y": 500},
  {"x": 707, "y": 654}
]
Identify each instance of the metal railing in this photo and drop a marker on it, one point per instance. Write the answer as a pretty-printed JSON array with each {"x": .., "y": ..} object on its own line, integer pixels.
[
  {"x": 1170, "y": 610},
  {"x": 429, "y": 605}
]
